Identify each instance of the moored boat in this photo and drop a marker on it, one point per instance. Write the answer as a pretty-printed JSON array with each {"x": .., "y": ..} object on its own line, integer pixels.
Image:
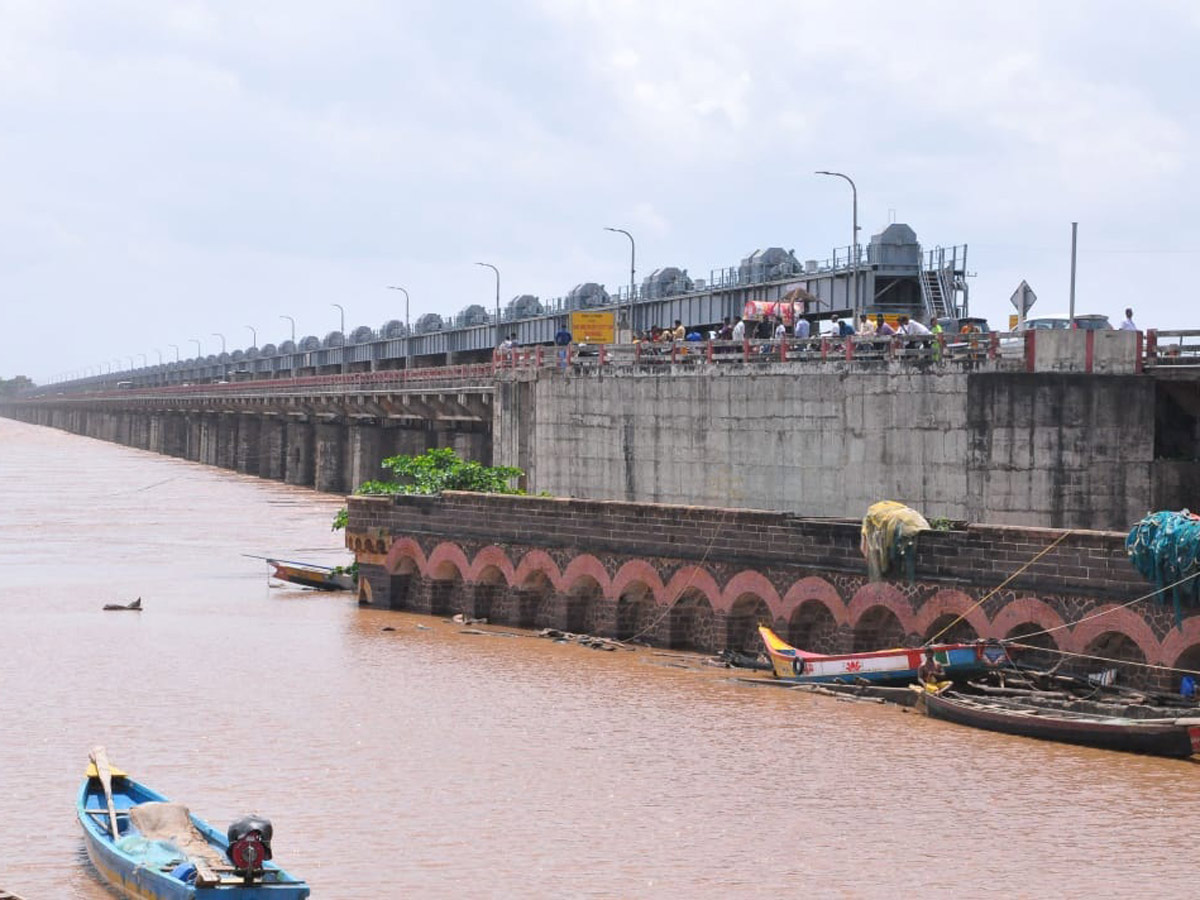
[
  {"x": 323, "y": 578},
  {"x": 1173, "y": 737},
  {"x": 895, "y": 666},
  {"x": 148, "y": 847}
]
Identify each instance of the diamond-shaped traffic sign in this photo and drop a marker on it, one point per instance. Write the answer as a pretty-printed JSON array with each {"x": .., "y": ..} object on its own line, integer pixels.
[{"x": 1023, "y": 298}]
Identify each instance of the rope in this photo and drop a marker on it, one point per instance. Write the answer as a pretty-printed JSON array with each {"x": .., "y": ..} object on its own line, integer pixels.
[
  {"x": 999, "y": 588},
  {"x": 1123, "y": 662}
]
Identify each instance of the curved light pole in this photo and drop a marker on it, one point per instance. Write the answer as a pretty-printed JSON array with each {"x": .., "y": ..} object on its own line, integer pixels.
[
  {"x": 199, "y": 352},
  {"x": 853, "y": 243},
  {"x": 145, "y": 361},
  {"x": 632, "y": 270},
  {"x": 293, "y": 321},
  {"x": 130, "y": 358},
  {"x": 253, "y": 337},
  {"x": 159, "y": 352},
  {"x": 175, "y": 347},
  {"x": 497, "y": 271},
  {"x": 342, "y": 332},
  {"x": 407, "y": 327},
  {"x": 222, "y": 337}
]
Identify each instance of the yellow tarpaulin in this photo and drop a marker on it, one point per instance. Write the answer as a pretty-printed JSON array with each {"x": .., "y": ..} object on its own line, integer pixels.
[{"x": 888, "y": 532}]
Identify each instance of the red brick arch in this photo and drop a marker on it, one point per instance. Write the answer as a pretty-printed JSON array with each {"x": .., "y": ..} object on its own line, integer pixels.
[
  {"x": 638, "y": 571},
  {"x": 445, "y": 554},
  {"x": 692, "y": 578},
  {"x": 1121, "y": 620},
  {"x": 491, "y": 556},
  {"x": 537, "y": 561},
  {"x": 950, "y": 601},
  {"x": 405, "y": 548},
  {"x": 820, "y": 590},
  {"x": 586, "y": 566},
  {"x": 1027, "y": 609},
  {"x": 750, "y": 582},
  {"x": 1179, "y": 640},
  {"x": 880, "y": 593}
]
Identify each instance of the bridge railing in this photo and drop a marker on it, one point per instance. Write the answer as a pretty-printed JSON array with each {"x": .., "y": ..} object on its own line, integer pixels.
[
  {"x": 929, "y": 349},
  {"x": 1172, "y": 348}
]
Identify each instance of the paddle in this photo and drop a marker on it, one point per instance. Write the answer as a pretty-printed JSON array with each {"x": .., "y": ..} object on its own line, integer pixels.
[{"x": 99, "y": 757}]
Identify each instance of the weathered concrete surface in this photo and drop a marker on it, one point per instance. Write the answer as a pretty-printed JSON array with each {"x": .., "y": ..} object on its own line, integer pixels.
[{"x": 1009, "y": 448}]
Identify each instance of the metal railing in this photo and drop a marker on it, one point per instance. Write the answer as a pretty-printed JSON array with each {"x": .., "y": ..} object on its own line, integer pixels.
[{"x": 1172, "y": 348}]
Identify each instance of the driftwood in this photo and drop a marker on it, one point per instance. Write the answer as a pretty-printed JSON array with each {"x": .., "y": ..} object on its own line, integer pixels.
[
  {"x": 584, "y": 640},
  {"x": 132, "y": 605}
]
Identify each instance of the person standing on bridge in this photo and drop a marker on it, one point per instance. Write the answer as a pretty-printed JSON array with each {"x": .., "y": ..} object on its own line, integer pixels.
[
  {"x": 739, "y": 329},
  {"x": 1128, "y": 325}
]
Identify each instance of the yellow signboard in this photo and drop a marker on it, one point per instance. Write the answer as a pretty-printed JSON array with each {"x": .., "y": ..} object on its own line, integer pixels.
[
  {"x": 1012, "y": 322},
  {"x": 594, "y": 327}
]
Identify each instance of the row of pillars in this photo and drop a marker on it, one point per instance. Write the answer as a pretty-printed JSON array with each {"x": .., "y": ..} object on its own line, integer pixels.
[{"x": 333, "y": 456}]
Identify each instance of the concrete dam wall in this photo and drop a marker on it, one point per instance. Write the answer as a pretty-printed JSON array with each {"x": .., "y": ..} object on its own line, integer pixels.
[{"x": 1060, "y": 450}]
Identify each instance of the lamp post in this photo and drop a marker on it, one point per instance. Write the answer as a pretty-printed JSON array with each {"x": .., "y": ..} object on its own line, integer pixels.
[
  {"x": 175, "y": 347},
  {"x": 293, "y": 321},
  {"x": 253, "y": 337},
  {"x": 117, "y": 365},
  {"x": 145, "y": 361},
  {"x": 342, "y": 332},
  {"x": 159, "y": 352},
  {"x": 218, "y": 334},
  {"x": 130, "y": 358},
  {"x": 497, "y": 271},
  {"x": 632, "y": 270},
  {"x": 199, "y": 353},
  {"x": 407, "y": 327},
  {"x": 853, "y": 243}
]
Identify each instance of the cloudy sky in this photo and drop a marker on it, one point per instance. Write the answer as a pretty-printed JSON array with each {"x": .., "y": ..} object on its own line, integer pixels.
[{"x": 171, "y": 170}]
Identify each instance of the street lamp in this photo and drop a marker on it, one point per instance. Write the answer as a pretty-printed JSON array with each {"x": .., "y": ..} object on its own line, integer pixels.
[
  {"x": 175, "y": 347},
  {"x": 632, "y": 269},
  {"x": 341, "y": 318},
  {"x": 497, "y": 271},
  {"x": 159, "y": 352},
  {"x": 130, "y": 358},
  {"x": 253, "y": 337},
  {"x": 117, "y": 367},
  {"x": 853, "y": 243},
  {"x": 293, "y": 321},
  {"x": 145, "y": 361},
  {"x": 222, "y": 337},
  {"x": 407, "y": 327},
  {"x": 198, "y": 351}
]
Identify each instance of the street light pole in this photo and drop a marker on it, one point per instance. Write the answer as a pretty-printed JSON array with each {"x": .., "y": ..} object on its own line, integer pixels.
[
  {"x": 497, "y": 271},
  {"x": 632, "y": 271},
  {"x": 199, "y": 351},
  {"x": 159, "y": 352},
  {"x": 222, "y": 337},
  {"x": 853, "y": 243},
  {"x": 176, "y": 348},
  {"x": 342, "y": 332},
  {"x": 293, "y": 321},
  {"x": 145, "y": 360},
  {"x": 407, "y": 327},
  {"x": 253, "y": 337}
]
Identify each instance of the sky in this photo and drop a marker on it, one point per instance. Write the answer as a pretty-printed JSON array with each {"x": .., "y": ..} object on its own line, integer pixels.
[{"x": 179, "y": 172}]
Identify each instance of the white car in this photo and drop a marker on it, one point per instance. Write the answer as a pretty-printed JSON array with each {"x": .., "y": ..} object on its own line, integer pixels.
[{"x": 1062, "y": 321}]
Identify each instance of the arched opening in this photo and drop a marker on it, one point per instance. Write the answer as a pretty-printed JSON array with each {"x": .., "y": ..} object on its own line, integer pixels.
[
  {"x": 1038, "y": 650},
  {"x": 1189, "y": 662},
  {"x": 581, "y": 602},
  {"x": 877, "y": 629},
  {"x": 741, "y": 625},
  {"x": 945, "y": 630},
  {"x": 488, "y": 588},
  {"x": 691, "y": 622},
  {"x": 529, "y": 599},
  {"x": 813, "y": 628},
  {"x": 445, "y": 590},
  {"x": 400, "y": 582},
  {"x": 1115, "y": 650},
  {"x": 635, "y": 612}
]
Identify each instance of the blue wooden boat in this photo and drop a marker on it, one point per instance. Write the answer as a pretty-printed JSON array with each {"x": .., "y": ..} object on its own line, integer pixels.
[
  {"x": 895, "y": 666},
  {"x": 148, "y": 847}
]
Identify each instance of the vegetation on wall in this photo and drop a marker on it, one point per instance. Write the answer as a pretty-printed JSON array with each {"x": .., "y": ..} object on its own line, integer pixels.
[{"x": 435, "y": 471}]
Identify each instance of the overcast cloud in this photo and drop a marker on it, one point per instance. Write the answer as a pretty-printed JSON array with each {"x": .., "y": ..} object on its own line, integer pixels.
[{"x": 174, "y": 169}]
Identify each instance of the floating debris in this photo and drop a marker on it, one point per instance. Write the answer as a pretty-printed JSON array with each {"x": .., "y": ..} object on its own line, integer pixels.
[
  {"x": 132, "y": 605},
  {"x": 584, "y": 640}
]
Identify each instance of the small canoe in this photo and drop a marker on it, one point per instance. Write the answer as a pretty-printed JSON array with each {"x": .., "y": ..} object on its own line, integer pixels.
[
  {"x": 161, "y": 851},
  {"x": 1173, "y": 737},
  {"x": 895, "y": 666},
  {"x": 323, "y": 578}
]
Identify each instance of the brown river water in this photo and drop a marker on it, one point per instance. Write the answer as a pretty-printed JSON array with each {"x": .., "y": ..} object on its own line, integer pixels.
[{"x": 424, "y": 762}]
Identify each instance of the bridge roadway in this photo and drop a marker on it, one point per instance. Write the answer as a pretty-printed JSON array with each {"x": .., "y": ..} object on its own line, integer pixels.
[{"x": 1022, "y": 430}]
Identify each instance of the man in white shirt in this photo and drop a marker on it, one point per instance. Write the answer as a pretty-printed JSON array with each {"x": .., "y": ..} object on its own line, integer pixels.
[
  {"x": 739, "y": 330},
  {"x": 915, "y": 327},
  {"x": 1128, "y": 325}
]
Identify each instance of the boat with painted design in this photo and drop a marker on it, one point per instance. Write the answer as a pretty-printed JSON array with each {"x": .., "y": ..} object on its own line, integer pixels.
[
  {"x": 323, "y": 578},
  {"x": 895, "y": 666},
  {"x": 149, "y": 848}
]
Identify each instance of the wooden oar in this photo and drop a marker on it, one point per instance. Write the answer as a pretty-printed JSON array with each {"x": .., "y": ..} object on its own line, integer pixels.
[{"x": 99, "y": 756}]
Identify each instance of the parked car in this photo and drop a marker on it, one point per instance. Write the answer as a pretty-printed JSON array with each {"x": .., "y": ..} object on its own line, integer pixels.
[{"x": 1062, "y": 321}]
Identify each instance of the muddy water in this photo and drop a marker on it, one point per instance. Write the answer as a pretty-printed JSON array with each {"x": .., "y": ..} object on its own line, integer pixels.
[{"x": 422, "y": 762}]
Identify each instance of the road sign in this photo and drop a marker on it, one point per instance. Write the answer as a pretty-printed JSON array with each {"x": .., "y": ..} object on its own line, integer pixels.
[
  {"x": 593, "y": 327},
  {"x": 1023, "y": 298}
]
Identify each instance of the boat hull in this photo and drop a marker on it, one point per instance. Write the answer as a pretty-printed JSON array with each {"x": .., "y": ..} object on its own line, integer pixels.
[
  {"x": 884, "y": 667},
  {"x": 135, "y": 878},
  {"x": 311, "y": 576},
  {"x": 1171, "y": 739}
]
